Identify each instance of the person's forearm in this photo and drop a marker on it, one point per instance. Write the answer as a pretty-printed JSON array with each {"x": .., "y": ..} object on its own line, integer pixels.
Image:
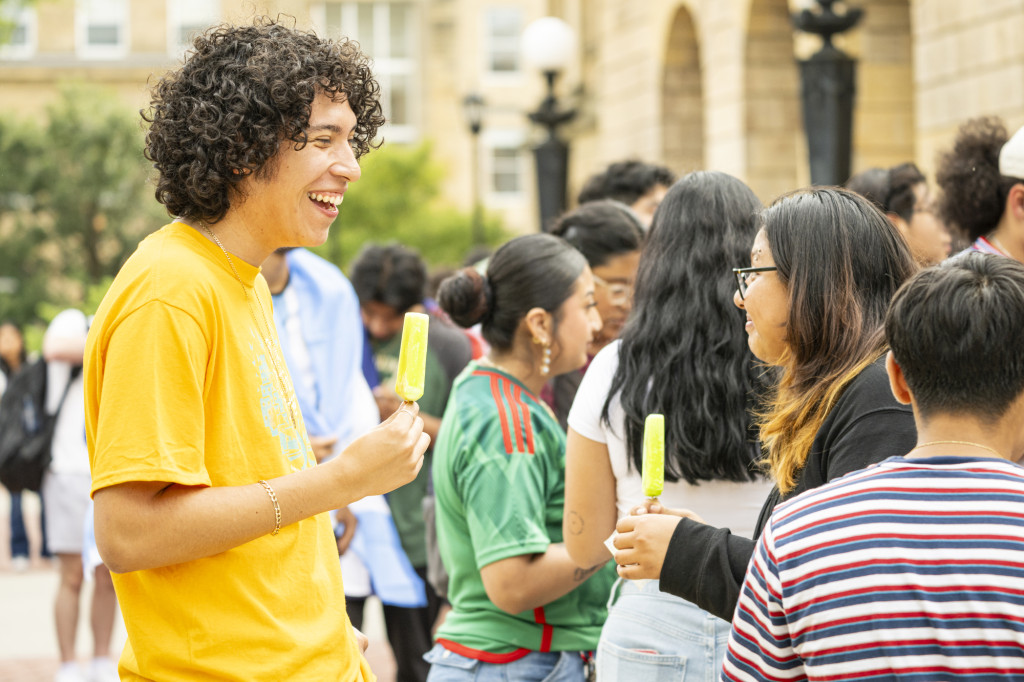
[
  {"x": 142, "y": 525},
  {"x": 150, "y": 525},
  {"x": 531, "y": 581}
]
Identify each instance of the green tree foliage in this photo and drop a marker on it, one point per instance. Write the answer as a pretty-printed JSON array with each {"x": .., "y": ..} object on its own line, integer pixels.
[
  {"x": 76, "y": 203},
  {"x": 397, "y": 199}
]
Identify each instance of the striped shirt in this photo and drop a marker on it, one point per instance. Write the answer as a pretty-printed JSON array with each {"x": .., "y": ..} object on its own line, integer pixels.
[{"x": 909, "y": 570}]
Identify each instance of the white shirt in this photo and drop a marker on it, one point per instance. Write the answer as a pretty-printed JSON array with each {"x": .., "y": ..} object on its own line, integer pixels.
[
  {"x": 69, "y": 452},
  {"x": 724, "y": 504}
]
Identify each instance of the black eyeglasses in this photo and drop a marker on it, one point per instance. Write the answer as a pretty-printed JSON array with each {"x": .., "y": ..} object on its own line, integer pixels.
[{"x": 743, "y": 277}]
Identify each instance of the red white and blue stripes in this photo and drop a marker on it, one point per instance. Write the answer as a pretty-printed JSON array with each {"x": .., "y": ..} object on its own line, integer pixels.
[{"x": 909, "y": 570}]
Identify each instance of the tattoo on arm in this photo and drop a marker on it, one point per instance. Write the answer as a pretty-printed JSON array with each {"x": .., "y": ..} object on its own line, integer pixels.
[
  {"x": 582, "y": 574},
  {"x": 575, "y": 523}
]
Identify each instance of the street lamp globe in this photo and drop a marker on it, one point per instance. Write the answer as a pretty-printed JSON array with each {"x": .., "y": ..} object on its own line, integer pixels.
[{"x": 548, "y": 44}]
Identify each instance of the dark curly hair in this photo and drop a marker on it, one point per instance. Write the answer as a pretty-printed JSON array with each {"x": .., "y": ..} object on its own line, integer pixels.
[
  {"x": 241, "y": 92},
  {"x": 973, "y": 190}
]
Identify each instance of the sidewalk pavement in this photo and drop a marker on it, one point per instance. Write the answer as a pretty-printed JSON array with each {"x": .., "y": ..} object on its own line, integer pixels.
[{"x": 28, "y": 642}]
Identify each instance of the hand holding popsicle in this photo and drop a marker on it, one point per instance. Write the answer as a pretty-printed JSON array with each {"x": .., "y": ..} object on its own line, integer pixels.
[
  {"x": 653, "y": 473},
  {"x": 412, "y": 358}
]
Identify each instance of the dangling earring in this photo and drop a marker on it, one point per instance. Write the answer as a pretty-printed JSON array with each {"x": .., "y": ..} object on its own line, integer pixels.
[{"x": 545, "y": 362}]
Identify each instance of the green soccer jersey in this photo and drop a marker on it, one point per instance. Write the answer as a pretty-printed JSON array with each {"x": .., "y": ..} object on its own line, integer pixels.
[{"x": 499, "y": 480}]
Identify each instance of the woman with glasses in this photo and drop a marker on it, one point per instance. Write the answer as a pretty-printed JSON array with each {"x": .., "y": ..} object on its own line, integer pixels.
[
  {"x": 823, "y": 268},
  {"x": 610, "y": 236},
  {"x": 684, "y": 355}
]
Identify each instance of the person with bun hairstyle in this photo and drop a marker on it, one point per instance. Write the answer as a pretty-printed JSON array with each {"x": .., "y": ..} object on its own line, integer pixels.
[
  {"x": 824, "y": 267},
  {"x": 521, "y": 608},
  {"x": 610, "y": 236},
  {"x": 684, "y": 355},
  {"x": 982, "y": 182}
]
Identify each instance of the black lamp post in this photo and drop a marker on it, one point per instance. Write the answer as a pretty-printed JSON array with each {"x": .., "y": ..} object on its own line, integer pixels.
[
  {"x": 548, "y": 45},
  {"x": 473, "y": 107},
  {"x": 828, "y": 85}
]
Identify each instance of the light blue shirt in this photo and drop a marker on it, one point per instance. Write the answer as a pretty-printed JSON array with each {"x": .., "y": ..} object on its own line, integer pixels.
[{"x": 321, "y": 332}]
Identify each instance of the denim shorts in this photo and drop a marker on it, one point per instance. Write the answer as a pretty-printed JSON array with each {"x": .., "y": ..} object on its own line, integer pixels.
[
  {"x": 537, "y": 666},
  {"x": 657, "y": 637}
]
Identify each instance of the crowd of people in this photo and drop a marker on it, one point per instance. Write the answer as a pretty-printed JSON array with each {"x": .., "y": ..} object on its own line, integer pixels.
[{"x": 842, "y": 393}]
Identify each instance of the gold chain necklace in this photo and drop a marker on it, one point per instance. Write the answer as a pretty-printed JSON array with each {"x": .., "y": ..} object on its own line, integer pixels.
[
  {"x": 268, "y": 339},
  {"x": 957, "y": 442}
]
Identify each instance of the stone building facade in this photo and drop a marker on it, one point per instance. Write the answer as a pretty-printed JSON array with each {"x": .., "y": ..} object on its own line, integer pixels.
[{"x": 686, "y": 83}]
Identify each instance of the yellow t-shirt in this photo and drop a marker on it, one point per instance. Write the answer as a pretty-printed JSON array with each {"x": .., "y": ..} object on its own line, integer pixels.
[{"x": 178, "y": 388}]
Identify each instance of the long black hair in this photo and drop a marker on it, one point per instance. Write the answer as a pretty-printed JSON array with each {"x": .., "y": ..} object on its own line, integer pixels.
[{"x": 684, "y": 351}]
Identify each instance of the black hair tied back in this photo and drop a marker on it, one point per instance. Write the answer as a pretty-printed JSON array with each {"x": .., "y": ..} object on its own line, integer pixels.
[{"x": 467, "y": 297}]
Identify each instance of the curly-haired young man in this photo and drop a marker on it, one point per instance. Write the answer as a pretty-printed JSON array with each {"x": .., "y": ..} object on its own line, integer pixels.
[{"x": 210, "y": 508}]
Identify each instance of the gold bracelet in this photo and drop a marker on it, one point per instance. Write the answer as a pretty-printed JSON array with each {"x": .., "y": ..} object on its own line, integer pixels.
[{"x": 277, "y": 507}]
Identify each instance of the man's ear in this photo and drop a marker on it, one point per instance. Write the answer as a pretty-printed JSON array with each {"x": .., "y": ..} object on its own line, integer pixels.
[
  {"x": 539, "y": 322},
  {"x": 1015, "y": 202},
  {"x": 897, "y": 382}
]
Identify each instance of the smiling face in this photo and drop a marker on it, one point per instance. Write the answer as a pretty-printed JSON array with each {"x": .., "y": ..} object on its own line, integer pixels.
[
  {"x": 578, "y": 321},
  {"x": 617, "y": 274},
  {"x": 766, "y": 304},
  {"x": 298, "y": 199}
]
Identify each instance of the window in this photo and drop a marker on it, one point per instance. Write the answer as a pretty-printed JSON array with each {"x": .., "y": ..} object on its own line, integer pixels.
[
  {"x": 186, "y": 19},
  {"x": 18, "y": 29},
  {"x": 503, "y": 28},
  {"x": 102, "y": 29},
  {"x": 504, "y": 163},
  {"x": 386, "y": 31}
]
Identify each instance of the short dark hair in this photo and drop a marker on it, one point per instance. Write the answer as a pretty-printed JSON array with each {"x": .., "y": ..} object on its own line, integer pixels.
[
  {"x": 625, "y": 181},
  {"x": 973, "y": 190},
  {"x": 891, "y": 190},
  {"x": 955, "y": 332},
  {"x": 391, "y": 274},
  {"x": 533, "y": 271},
  {"x": 601, "y": 230},
  {"x": 242, "y": 92}
]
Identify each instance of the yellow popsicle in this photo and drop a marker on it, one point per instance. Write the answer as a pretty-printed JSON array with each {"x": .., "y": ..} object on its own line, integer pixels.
[
  {"x": 653, "y": 474},
  {"x": 412, "y": 358}
]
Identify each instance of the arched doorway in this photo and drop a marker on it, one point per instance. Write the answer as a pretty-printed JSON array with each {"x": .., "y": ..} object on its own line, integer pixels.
[{"x": 682, "y": 103}]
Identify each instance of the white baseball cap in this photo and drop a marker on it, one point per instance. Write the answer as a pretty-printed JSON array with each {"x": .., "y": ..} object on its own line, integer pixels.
[{"x": 1011, "y": 156}]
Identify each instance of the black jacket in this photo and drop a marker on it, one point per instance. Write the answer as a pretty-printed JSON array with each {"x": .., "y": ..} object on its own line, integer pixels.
[{"x": 705, "y": 565}]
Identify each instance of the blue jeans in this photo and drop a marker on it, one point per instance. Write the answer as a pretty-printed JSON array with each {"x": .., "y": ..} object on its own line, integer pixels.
[
  {"x": 655, "y": 637},
  {"x": 537, "y": 666}
]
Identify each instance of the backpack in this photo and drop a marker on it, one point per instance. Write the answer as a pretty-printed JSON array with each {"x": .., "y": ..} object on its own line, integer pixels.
[{"x": 26, "y": 430}]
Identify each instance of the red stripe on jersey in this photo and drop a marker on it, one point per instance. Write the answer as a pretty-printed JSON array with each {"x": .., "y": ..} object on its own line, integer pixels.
[
  {"x": 496, "y": 392},
  {"x": 546, "y": 632},
  {"x": 507, "y": 388},
  {"x": 477, "y": 654},
  {"x": 527, "y": 421}
]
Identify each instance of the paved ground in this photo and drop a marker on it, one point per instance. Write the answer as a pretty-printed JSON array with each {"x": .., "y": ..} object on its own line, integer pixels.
[{"x": 28, "y": 645}]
